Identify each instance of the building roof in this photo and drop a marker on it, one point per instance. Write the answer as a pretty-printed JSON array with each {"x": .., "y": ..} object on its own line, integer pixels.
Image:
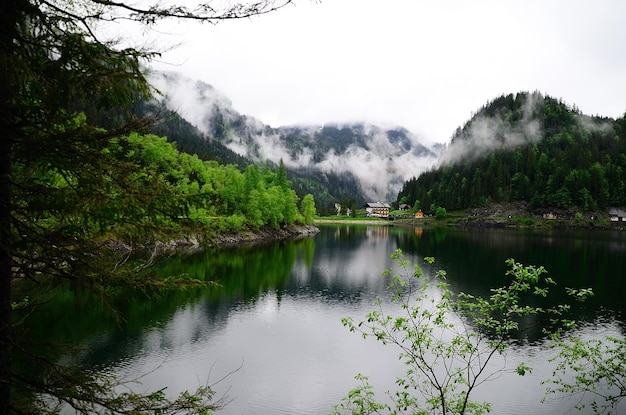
[
  {"x": 378, "y": 205},
  {"x": 617, "y": 212}
]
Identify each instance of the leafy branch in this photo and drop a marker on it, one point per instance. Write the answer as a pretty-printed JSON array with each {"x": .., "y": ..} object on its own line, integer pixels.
[{"x": 449, "y": 342}]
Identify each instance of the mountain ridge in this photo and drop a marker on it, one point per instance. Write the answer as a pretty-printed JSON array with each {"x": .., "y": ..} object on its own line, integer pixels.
[
  {"x": 528, "y": 147},
  {"x": 378, "y": 160}
]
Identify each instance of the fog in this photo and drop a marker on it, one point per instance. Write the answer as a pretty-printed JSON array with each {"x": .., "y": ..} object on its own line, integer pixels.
[
  {"x": 380, "y": 165},
  {"x": 485, "y": 134}
]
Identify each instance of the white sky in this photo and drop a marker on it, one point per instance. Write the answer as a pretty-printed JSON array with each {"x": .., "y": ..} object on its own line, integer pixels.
[{"x": 425, "y": 65}]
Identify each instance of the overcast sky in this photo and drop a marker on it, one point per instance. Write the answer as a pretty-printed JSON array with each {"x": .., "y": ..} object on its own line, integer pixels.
[{"x": 424, "y": 65}]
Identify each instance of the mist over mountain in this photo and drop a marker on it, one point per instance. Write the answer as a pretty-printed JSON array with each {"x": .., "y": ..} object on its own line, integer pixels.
[
  {"x": 514, "y": 120},
  {"x": 531, "y": 148},
  {"x": 373, "y": 161}
]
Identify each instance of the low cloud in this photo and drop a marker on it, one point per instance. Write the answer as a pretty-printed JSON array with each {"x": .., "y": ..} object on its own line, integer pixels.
[
  {"x": 381, "y": 166},
  {"x": 485, "y": 134},
  {"x": 193, "y": 99},
  {"x": 381, "y": 163}
]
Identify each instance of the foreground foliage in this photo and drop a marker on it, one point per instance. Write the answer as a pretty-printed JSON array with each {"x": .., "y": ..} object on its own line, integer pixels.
[
  {"x": 450, "y": 343},
  {"x": 593, "y": 371},
  {"x": 67, "y": 186}
]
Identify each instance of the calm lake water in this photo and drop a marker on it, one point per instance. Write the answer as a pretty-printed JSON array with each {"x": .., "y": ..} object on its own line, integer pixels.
[{"x": 271, "y": 338}]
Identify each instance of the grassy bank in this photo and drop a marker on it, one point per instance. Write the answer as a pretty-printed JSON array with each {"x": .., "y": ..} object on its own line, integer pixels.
[{"x": 485, "y": 218}]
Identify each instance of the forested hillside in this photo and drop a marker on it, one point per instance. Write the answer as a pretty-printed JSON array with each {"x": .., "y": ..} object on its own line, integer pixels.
[
  {"x": 187, "y": 137},
  {"x": 218, "y": 197},
  {"x": 326, "y": 188},
  {"x": 332, "y": 162},
  {"x": 528, "y": 147}
]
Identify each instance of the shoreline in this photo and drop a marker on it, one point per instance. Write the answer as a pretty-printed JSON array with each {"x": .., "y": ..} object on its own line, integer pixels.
[
  {"x": 196, "y": 242},
  {"x": 264, "y": 235},
  {"x": 355, "y": 221},
  {"x": 469, "y": 222}
]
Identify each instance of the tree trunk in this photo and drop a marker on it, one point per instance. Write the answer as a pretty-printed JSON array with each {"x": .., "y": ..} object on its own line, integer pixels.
[{"x": 8, "y": 30}]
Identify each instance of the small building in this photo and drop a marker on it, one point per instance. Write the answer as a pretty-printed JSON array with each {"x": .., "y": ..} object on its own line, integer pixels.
[
  {"x": 617, "y": 215},
  {"x": 404, "y": 206},
  {"x": 378, "y": 209},
  {"x": 419, "y": 214}
]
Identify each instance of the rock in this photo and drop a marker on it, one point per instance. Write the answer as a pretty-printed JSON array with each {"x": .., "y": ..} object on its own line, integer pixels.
[{"x": 264, "y": 235}]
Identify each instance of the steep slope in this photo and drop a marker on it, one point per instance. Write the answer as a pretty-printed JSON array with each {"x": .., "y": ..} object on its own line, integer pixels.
[
  {"x": 531, "y": 148},
  {"x": 333, "y": 162},
  {"x": 381, "y": 159},
  {"x": 188, "y": 138}
]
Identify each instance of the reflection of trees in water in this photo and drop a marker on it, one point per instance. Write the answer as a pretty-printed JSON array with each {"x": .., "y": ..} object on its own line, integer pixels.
[
  {"x": 242, "y": 274},
  {"x": 475, "y": 260},
  {"x": 342, "y": 265}
]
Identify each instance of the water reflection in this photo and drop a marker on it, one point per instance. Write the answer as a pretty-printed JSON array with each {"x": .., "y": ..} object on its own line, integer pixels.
[
  {"x": 475, "y": 260},
  {"x": 277, "y": 313}
]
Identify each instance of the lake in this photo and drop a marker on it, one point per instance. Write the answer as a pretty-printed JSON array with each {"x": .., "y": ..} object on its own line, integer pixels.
[{"x": 270, "y": 336}]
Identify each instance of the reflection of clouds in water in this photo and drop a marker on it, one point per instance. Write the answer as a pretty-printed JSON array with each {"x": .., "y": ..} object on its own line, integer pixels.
[
  {"x": 301, "y": 359},
  {"x": 296, "y": 355},
  {"x": 267, "y": 309},
  {"x": 353, "y": 268},
  {"x": 360, "y": 267}
]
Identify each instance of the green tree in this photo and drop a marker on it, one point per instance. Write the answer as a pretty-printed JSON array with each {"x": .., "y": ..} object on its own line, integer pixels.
[
  {"x": 63, "y": 191},
  {"x": 353, "y": 207},
  {"x": 281, "y": 177},
  {"x": 307, "y": 208},
  {"x": 441, "y": 213},
  {"x": 449, "y": 342},
  {"x": 416, "y": 206}
]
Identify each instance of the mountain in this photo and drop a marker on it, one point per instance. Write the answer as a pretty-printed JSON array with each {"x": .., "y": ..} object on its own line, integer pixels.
[
  {"x": 333, "y": 161},
  {"x": 530, "y": 148}
]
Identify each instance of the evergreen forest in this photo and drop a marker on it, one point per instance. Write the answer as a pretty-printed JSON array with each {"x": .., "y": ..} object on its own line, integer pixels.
[
  {"x": 326, "y": 187},
  {"x": 531, "y": 148}
]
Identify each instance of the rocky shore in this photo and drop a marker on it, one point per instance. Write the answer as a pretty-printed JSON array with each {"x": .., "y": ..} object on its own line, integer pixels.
[
  {"x": 263, "y": 235},
  {"x": 192, "y": 243},
  {"x": 518, "y": 215}
]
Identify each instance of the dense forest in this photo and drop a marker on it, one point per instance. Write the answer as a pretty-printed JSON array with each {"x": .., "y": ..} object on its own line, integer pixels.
[
  {"x": 217, "y": 188},
  {"x": 532, "y": 148},
  {"x": 218, "y": 197},
  {"x": 326, "y": 187}
]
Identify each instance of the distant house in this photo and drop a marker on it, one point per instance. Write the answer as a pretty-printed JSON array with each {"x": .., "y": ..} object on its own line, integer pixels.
[
  {"x": 419, "y": 214},
  {"x": 617, "y": 215},
  {"x": 404, "y": 206},
  {"x": 378, "y": 209}
]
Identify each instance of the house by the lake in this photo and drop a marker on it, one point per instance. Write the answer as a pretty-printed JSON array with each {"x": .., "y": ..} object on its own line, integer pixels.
[
  {"x": 617, "y": 215},
  {"x": 378, "y": 209}
]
